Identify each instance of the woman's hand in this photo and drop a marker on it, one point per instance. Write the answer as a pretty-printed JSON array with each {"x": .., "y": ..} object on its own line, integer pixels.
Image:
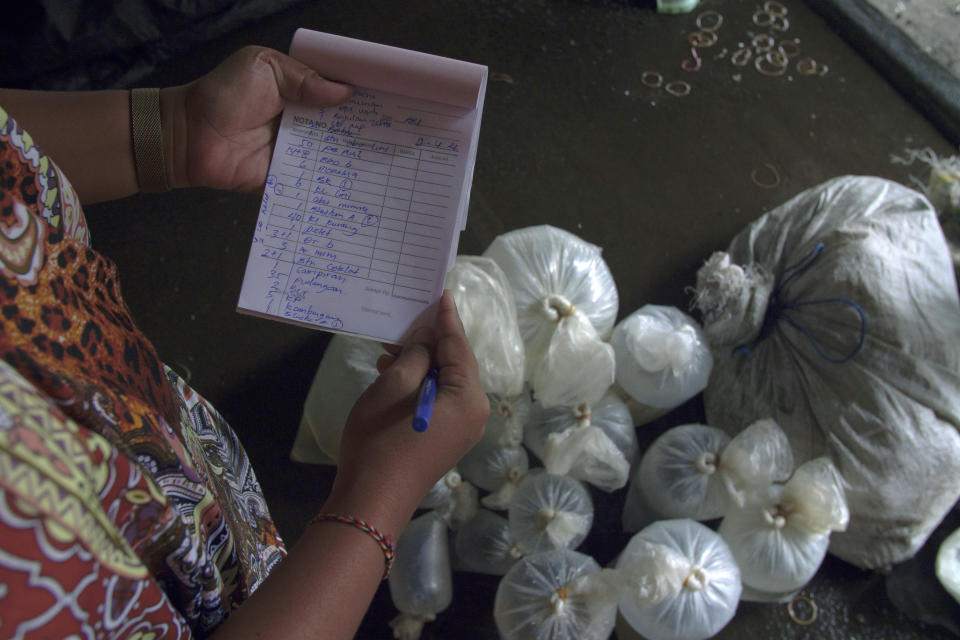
[
  {"x": 219, "y": 129},
  {"x": 386, "y": 465}
]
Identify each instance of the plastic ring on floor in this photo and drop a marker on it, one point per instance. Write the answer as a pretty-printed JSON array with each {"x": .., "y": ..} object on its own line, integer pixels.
[
  {"x": 703, "y": 38},
  {"x": 793, "y": 614},
  {"x": 678, "y": 88},
  {"x": 807, "y": 66},
  {"x": 775, "y": 8},
  {"x": 712, "y": 15},
  {"x": 767, "y": 185},
  {"x": 757, "y": 16},
  {"x": 763, "y": 42},
  {"x": 783, "y": 25},
  {"x": 741, "y": 57},
  {"x": 689, "y": 66},
  {"x": 777, "y": 58},
  {"x": 647, "y": 75},
  {"x": 768, "y": 67},
  {"x": 790, "y": 48}
]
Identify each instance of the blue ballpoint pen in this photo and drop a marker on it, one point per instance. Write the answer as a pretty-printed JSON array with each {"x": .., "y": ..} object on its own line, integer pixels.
[{"x": 428, "y": 392}]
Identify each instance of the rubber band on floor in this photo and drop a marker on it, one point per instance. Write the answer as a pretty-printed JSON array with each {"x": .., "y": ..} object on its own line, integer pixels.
[
  {"x": 678, "y": 88},
  {"x": 793, "y": 614},
  {"x": 657, "y": 79},
  {"x": 767, "y": 185}
]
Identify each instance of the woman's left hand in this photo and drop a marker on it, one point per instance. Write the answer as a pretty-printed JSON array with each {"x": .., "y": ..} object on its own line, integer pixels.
[{"x": 219, "y": 129}]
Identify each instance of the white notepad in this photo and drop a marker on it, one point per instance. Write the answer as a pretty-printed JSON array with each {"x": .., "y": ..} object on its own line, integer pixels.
[{"x": 364, "y": 202}]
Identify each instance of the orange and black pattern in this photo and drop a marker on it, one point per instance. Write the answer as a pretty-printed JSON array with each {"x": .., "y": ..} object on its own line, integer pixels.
[{"x": 167, "y": 497}]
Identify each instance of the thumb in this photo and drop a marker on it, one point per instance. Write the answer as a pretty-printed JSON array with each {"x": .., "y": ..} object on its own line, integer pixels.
[
  {"x": 298, "y": 83},
  {"x": 414, "y": 359}
]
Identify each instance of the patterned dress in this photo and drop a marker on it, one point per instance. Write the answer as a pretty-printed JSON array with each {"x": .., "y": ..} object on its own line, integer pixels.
[{"x": 128, "y": 508}]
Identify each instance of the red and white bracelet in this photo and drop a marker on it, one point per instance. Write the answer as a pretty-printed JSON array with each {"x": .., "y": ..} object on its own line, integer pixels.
[{"x": 385, "y": 542}]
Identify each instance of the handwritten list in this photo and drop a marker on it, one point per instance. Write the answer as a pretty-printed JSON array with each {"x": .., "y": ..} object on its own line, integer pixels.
[{"x": 361, "y": 213}]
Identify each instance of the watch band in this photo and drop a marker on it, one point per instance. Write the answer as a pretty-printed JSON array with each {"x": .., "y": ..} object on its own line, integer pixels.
[{"x": 147, "y": 133}]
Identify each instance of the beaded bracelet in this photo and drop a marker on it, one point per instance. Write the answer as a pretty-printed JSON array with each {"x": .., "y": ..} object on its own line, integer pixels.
[{"x": 385, "y": 542}]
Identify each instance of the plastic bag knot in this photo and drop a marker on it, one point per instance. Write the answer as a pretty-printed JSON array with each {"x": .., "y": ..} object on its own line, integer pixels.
[
  {"x": 582, "y": 413},
  {"x": 558, "y": 600},
  {"x": 453, "y": 480},
  {"x": 696, "y": 580},
  {"x": 543, "y": 518},
  {"x": 776, "y": 516},
  {"x": 706, "y": 463},
  {"x": 732, "y": 299},
  {"x": 556, "y": 307}
]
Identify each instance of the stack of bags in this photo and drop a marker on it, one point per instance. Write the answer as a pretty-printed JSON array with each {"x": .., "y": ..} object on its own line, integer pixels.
[{"x": 829, "y": 357}]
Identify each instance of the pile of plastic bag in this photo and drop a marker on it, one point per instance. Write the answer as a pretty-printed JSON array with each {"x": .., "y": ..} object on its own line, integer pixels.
[{"x": 829, "y": 360}]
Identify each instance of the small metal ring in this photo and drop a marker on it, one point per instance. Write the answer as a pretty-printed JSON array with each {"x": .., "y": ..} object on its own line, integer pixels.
[
  {"x": 793, "y": 45},
  {"x": 793, "y": 614},
  {"x": 717, "y": 18},
  {"x": 656, "y": 84},
  {"x": 763, "y": 40},
  {"x": 775, "y": 8},
  {"x": 741, "y": 57},
  {"x": 678, "y": 88}
]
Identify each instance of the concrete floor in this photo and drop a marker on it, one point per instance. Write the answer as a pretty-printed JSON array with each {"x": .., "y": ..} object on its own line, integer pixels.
[
  {"x": 933, "y": 24},
  {"x": 570, "y": 137}
]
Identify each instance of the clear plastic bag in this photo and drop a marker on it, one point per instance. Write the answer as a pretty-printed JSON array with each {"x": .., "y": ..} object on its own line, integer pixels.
[
  {"x": 566, "y": 305},
  {"x": 556, "y": 594},
  {"x": 754, "y": 458},
  {"x": 421, "y": 582},
  {"x": 662, "y": 356},
  {"x": 836, "y": 314},
  {"x": 550, "y": 512},
  {"x": 695, "y": 471},
  {"x": 484, "y": 545},
  {"x": 780, "y": 537},
  {"x": 489, "y": 314},
  {"x": 678, "y": 473},
  {"x": 947, "y": 564},
  {"x": 682, "y": 581},
  {"x": 593, "y": 443},
  {"x": 641, "y": 413},
  {"x": 453, "y": 499},
  {"x": 496, "y": 468},
  {"x": 348, "y": 367}
]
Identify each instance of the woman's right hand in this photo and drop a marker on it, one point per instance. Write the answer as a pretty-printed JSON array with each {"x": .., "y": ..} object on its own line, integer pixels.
[{"x": 384, "y": 465}]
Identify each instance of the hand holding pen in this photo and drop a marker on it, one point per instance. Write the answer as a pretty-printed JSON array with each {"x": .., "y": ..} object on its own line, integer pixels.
[{"x": 381, "y": 439}]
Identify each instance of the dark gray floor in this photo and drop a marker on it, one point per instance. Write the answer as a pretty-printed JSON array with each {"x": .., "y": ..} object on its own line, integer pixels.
[{"x": 570, "y": 137}]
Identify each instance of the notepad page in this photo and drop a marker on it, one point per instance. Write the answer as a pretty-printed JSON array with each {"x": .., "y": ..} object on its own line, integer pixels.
[{"x": 361, "y": 214}]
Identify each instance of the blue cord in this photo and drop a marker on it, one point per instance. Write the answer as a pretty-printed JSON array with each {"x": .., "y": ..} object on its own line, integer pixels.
[{"x": 776, "y": 311}]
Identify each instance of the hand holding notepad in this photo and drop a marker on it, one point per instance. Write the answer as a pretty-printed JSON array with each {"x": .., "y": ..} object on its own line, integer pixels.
[{"x": 364, "y": 202}]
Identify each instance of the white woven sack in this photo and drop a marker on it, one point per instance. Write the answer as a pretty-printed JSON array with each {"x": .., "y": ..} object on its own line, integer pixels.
[{"x": 836, "y": 314}]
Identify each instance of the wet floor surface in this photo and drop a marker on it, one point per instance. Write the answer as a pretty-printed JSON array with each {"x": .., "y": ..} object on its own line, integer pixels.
[{"x": 599, "y": 119}]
